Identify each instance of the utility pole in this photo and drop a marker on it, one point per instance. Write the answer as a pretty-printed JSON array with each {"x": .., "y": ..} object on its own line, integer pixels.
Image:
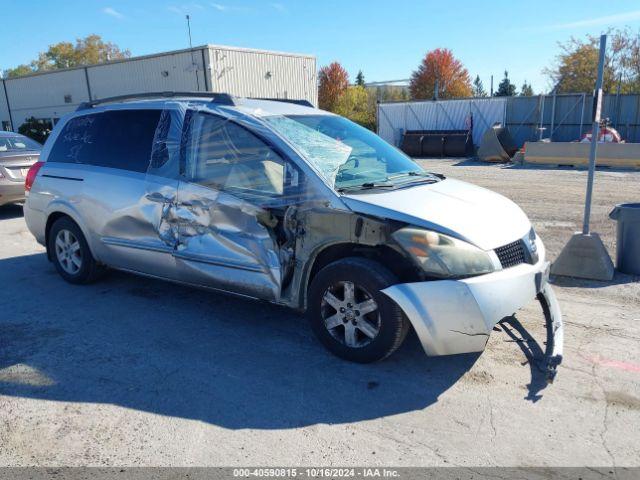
[
  {"x": 585, "y": 256},
  {"x": 193, "y": 62},
  {"x": 6, "y": 97},
  {"x": 491, "y": 86}
]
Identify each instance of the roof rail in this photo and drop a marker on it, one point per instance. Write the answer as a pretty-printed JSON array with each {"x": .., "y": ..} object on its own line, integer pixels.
[
  {"x": 219, "y": 98},
  {"x": 302, "y": 103}
]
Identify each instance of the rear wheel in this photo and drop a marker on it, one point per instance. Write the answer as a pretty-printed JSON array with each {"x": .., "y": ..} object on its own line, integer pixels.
[
  {"x": 70, "y": 253},
  {"x": 350, "y": 315}
]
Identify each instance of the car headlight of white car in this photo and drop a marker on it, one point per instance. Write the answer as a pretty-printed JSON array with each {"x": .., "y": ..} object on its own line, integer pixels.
[{"x": 443, "y": 256}]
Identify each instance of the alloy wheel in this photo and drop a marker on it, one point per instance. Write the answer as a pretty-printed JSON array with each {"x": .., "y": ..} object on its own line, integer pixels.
[
  {"x": 350, "y": 314},
  {"x": 68, "y": 252}
]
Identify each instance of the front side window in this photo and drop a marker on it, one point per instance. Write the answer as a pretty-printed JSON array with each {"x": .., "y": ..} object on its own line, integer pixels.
[
  {"x": 222, "y": 155},
  {"x": 120, "y": 139},
  {"x": 18, "y": 143},
  {"x": 346, "y": 154}
]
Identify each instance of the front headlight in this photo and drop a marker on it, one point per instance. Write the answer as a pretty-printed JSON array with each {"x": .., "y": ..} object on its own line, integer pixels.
[{"x": 443, "y": 256}]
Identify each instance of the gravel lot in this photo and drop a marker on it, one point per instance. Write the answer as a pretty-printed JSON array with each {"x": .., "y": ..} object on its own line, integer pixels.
[{"x": 132, "y": 371}]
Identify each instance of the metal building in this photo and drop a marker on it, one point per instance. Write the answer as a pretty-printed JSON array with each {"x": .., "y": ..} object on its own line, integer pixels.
[{"x": 238, "y": 71}]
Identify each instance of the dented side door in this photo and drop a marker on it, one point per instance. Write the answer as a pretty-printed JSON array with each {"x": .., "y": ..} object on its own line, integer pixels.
[{"x": 225, "y": 236}]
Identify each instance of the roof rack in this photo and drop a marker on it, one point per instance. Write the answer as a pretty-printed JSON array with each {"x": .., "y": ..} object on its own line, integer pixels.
[
  {"x": 218, "y": 98},
  {"x": 302, "y": 103}
]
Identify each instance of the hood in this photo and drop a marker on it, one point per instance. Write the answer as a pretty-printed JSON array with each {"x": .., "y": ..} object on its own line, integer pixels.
[{"x": 468, "y": 212}]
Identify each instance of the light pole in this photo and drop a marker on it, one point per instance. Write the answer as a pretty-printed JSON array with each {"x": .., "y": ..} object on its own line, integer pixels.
[
  {"x": 193, "y": 62},
  {"x": 595, "y": 133},
  {"x": 585, "y": 256}
]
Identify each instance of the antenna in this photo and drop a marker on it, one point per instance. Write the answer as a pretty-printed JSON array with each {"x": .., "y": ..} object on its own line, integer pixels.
[{"x": 193, "y": 62}]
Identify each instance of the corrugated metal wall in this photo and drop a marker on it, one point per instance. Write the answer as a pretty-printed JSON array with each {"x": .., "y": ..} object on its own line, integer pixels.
[
  {"x": 567, "y": 117},
  {"x": 178, "y": 72},
  {"x": 209, "y": 68},
  {"x": 43, "y": 96},
  {"x": 395, "y": 118},
  {"x": 248, "y": 73},
  {"x": 564, "y": 118}
]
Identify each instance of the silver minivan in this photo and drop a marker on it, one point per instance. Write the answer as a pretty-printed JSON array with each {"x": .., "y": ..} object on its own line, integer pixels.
[{"x": 285, "y": 203}]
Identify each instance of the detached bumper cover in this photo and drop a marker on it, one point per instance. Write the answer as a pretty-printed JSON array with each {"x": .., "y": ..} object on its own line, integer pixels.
[
  {"x": 555, "y": 330},
  {"x": 457, "y": 316}
]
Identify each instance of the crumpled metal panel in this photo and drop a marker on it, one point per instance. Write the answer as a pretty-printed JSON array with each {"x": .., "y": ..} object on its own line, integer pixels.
[
  {"x": 220, "y": 234},
  {"x": 164, "y": 164},
  {"x": 217, "y": 239},
  {"x": 222, "y": 244},
  {"x": 457, "y": 316}
]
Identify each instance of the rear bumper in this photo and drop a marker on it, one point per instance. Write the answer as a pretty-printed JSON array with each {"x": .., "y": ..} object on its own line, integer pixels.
[
  {"x": 11, "y": 191},
  {"x": 457, "y": 316}
]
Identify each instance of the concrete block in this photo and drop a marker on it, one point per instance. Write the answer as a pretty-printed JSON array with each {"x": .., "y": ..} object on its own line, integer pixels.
[
  {"x": 584, "y": 256},
  {"x": 618, "y": 155}
]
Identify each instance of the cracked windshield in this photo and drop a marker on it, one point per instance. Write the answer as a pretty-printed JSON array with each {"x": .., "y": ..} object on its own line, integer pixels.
[{"x": 349, "y": 156}]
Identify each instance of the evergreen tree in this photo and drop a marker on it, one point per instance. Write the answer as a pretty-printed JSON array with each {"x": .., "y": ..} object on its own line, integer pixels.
[
  {"x": 527, "y": 90},
  {"x": 478, "y": 88},
  {"x": 360, "y": 79},
  {"x": 506, "y": 88}
]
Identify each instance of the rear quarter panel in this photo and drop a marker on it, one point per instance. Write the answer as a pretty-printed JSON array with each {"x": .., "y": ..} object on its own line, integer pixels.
[{"x": 59, "y": 187}]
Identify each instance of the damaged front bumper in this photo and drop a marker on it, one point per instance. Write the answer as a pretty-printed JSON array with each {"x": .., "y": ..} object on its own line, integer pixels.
[{"x": 457, "y": 316}]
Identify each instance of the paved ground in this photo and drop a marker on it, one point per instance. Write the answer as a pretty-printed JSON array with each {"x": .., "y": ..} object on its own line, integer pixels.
[{"x": 132, "y": 371}]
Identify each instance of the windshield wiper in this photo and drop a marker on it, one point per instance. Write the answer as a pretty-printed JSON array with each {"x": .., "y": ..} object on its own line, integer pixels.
[
  {"x": 366, "y": 186},
  {"x": 415, "y": 174},
  {"x": 422, "y": 177}
]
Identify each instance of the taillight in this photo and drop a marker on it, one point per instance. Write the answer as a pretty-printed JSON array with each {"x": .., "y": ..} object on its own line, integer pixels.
[{"x": 31, "y": 175}]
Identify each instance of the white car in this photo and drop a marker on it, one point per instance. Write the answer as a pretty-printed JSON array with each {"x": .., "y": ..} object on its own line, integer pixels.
[{"x": 285, "y": 203}]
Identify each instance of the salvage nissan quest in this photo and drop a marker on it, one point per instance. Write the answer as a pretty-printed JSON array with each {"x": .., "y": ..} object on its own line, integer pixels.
[{"x": 282, "y": 202}]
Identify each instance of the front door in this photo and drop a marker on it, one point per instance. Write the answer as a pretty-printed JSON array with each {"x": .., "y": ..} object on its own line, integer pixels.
[{"x": 227, "y": 235}]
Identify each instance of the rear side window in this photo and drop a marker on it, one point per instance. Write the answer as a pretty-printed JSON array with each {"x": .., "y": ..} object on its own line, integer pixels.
[
  {"x": 116, "y": 139},
  {"x": 17, "y": 144}
]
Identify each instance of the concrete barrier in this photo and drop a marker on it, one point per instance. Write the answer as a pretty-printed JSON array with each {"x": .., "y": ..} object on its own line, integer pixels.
[{"x": 619, "y": 155}]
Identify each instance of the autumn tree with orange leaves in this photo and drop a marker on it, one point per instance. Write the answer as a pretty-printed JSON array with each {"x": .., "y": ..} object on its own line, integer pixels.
[
  {"x": 333, "y": 82},
  {"x": 453, "y": 79}
]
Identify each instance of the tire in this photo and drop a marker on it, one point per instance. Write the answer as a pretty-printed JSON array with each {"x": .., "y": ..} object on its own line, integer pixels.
[
  {"x": 69, "y": 251},
  {"x": 357, "y": 334}
]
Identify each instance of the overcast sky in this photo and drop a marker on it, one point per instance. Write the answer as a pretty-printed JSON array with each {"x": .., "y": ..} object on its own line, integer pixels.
[{"x": 386, "y": 39}]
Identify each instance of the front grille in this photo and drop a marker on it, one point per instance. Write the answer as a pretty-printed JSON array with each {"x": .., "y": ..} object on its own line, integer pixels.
[{"x": 511, "y": 254}]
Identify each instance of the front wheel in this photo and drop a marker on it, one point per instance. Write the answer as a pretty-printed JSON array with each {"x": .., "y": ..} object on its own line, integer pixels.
[{"x": 350, "y": 315}]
